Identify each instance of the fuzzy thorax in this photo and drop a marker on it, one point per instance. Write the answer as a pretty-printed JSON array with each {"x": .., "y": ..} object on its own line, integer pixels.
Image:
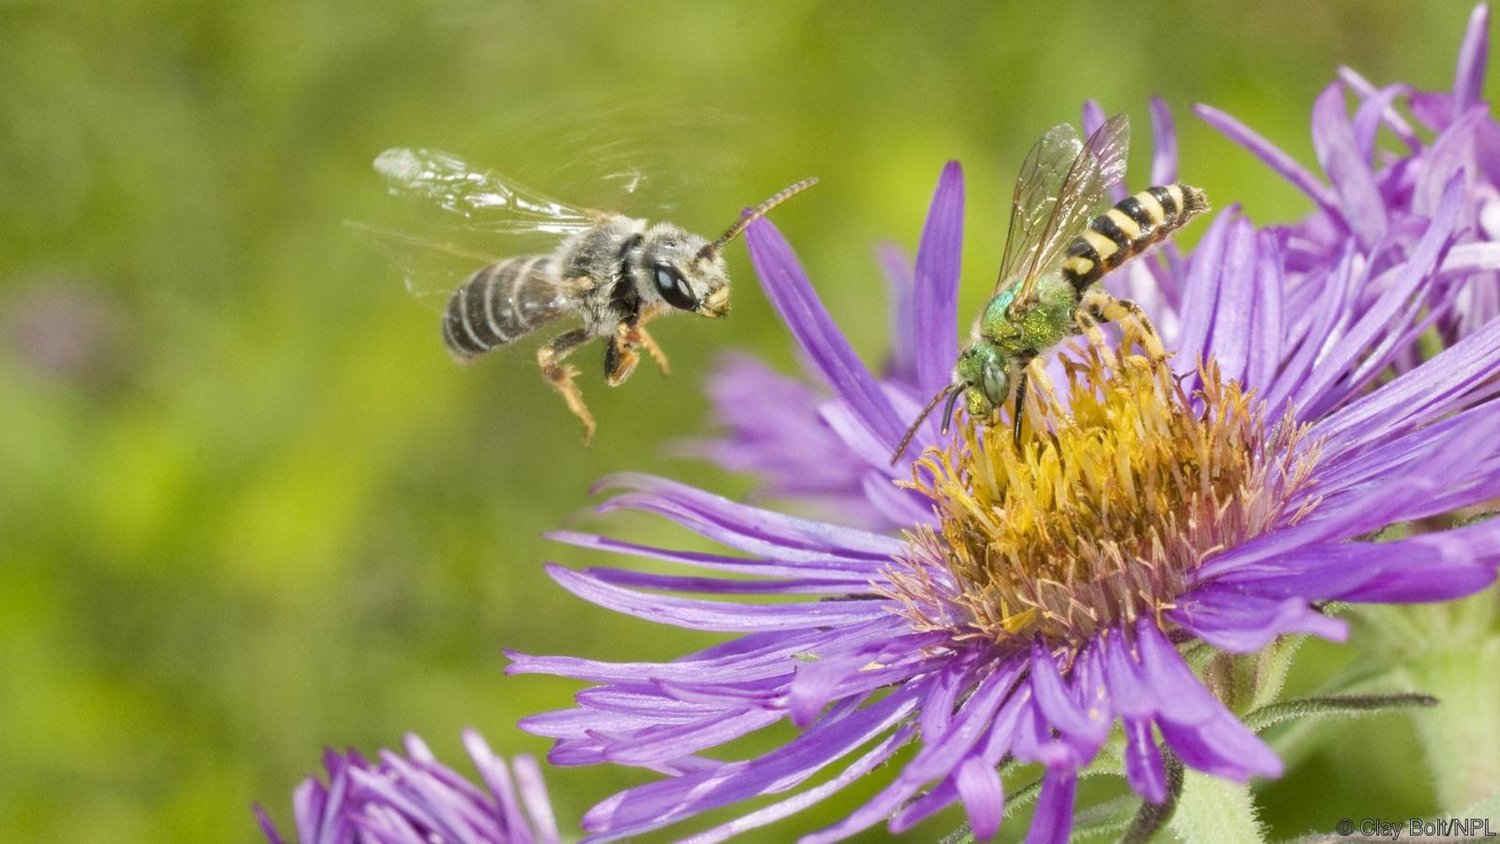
[{"x": 1105, "y": 513}]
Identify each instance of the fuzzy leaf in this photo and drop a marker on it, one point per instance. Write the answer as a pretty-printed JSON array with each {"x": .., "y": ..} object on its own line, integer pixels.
[{"x": 1334, "y": 706}]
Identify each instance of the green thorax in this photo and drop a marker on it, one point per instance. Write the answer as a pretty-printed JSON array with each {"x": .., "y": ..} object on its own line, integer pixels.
[{"x": 1047, "y": 322}]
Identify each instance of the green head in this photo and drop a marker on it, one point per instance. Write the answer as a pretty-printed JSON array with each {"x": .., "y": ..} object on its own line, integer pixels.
[
  {"x": 980, "y": 376},
  {"x": 982, "y": 372}
]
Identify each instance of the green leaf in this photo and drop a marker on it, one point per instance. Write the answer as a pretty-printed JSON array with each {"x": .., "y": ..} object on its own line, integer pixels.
[{"x": 1333, "y": 706}]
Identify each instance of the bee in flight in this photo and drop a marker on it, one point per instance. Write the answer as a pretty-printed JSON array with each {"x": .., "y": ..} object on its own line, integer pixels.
[
  {"x": 1048, "y": 287},
  {"x": 614, "y": 272}
]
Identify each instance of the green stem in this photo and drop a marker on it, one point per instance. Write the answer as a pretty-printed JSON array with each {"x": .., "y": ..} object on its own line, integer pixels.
[
  {"x": 1466, "y": 720},
  {"x": 1214, "y": 809}
]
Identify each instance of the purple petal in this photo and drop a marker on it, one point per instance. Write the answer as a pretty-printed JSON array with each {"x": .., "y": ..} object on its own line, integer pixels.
[
  {"x": 738, "y": 565},
  {"x": 748, "y": 528},
  {"x": 787, "y": 287},
  {"x": 1223, "y": 747},
  {"x": 1053, "y": 819},
  {"x": 936, "y": 295},
  {"x": 1389, "y": 115},
  {"x": 1163, "y": 143},
  {"x": 1468, "y": 79},
  {"x": 1265, "y": 353},
  {"x": 983, "y": 795},
  {"x": 1338, "y": 153},
  {"x": 1461, "y": 374},
  {"x": 1245, "y": 623},
  {"x": 663, "y": 802},
  {"x": 1180, "y": 696},
  {"x": 1271, "y": 155},
  {"x": 1144, "y": 768},
  {"x": 775, "y": 812},
  {"x": 1396, "y": 298},
  {"x": 1199, "y": 304},
  {"x": 897, "y": 267},
  {"x": 1060, "y": 710}
]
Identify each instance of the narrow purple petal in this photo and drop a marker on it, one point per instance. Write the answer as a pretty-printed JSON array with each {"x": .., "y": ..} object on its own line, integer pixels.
[
  {"x": 737, "y": 565},
  {"x": 1461, "y": 374},
  {"x": 1244, "y": 623},
  {"x": 1266, "y": 321},
  {"x": 1390, "y": 115},
  {"x": 1377, "y": 108},
  {"x": 1057, "y": 706},
  {"x": 1350, "y": 174},
  {"x": 1144, "y": 768},
  {"x": 1053, "y": 820},
  {"x": 1468, "y": 79},
  {"x": 533, "y": 793},
  {"x": 713, "y": 615},
  {"x": 896, "y": 266},
  {"x": 1163, "y": 143},
  {"x": 1271, "y": 155},
  {"x": 739, "y": 525},
  {"x": 791, "y": 293},
  {"x": 775, "y": 812},
  {"x": 983, "y": 795},
  {"x": 1180, "y": 696},
  {"x": 935, "y": 302},
  {"x": 660, "y": 803},
  {"x": 1200, "y": 297},
  {"x": 1377, "y": 318},
  {"x": 267, "y": 827}
]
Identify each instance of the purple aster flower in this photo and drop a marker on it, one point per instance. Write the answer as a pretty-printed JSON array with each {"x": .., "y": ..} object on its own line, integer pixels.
[
  {"x": 1035, "y": 599},
  {"x": 402, "y": 799},
  {"x": 1375, "y": 201},
  {"x": 1373, "y": 205}
]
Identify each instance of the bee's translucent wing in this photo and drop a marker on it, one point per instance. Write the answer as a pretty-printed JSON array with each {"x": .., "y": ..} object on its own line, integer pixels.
[
  {"x": 431, "y": 268},
  {"x": 486, "y": 200},
  {"x": 1065, "y": 202},
  {"x": 1037, "y": 187}
]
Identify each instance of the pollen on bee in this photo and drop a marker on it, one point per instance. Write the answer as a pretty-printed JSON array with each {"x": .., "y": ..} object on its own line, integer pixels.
[{"x": 1125, "y": 484}]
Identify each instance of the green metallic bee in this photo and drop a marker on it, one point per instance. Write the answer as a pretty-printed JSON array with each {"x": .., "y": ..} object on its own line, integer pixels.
[{"x": 1045, "y": 293}]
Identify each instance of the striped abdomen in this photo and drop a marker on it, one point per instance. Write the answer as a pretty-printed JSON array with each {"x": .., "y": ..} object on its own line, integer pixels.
[
  {"x": 502, "y": 302},
  {"x": 1128, "y": 229}
]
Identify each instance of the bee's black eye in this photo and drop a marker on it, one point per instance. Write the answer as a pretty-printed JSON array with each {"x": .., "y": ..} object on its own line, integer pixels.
[{"x": 674, "y": 288}]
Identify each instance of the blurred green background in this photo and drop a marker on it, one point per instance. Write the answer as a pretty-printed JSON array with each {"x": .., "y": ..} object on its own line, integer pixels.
[{"x": 248, "y": 507}]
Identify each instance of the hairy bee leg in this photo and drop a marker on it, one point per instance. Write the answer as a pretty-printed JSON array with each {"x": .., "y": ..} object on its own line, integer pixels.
[
  {"x": 549, "y": 358},
  {"x": 620, "y": 357},
  {"x": 1088, "y": 325},
  {"x": 1042, "y": 384},
  {"x": 1107, "y": 308},
  {"x": 649, "y": 344}
]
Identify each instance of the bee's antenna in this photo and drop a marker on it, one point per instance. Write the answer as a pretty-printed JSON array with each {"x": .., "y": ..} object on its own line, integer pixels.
[
  {"x": 754, "y": 214},
  {"x": 952, "y": 391},
  {"x": 948, "y": 411}
]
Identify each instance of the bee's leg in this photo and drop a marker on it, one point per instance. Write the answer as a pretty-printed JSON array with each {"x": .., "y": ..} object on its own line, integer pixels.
[
  {"x": 639, "y": 337},
  {"x": 649, "y": 344},
  {"x": 550, "y": 359},
  {"x": 1042, "y": 384},
  {"x": 620, "y": 356},
  {"x": 1088, "y": 325},
  {"x": 1020, "y": 408},
  {"x": 1106, "y": 308}
]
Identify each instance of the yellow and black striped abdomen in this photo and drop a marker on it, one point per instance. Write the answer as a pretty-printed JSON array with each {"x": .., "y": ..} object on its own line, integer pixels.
[
  {"x": 502, "y": 302},
  {"x": 1128, "y": 229}
]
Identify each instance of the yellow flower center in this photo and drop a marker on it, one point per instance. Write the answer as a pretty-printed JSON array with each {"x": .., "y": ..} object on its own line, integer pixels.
[{"x": 1104, "y": 513}]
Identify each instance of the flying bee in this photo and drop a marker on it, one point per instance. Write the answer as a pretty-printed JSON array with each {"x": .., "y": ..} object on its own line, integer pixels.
[
  {"x": 615, "y": 273},
  {"x": 1048, "y": 286}
]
